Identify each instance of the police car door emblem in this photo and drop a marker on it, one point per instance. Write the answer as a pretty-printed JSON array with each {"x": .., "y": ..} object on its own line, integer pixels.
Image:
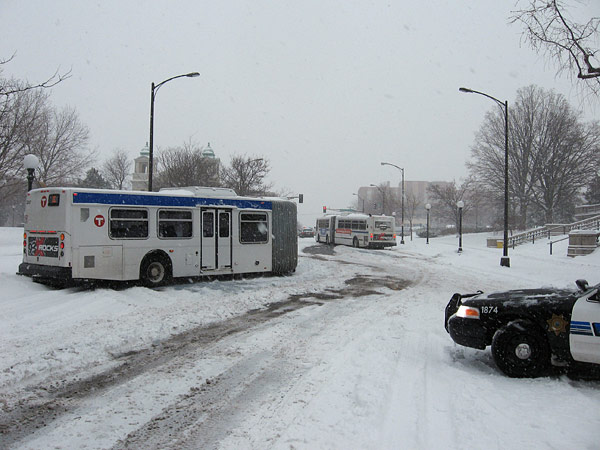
[{"x": 558, "y": 324}]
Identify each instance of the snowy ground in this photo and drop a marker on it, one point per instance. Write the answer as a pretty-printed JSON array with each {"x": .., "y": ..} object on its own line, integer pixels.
[{"x": 349, "y": 352}]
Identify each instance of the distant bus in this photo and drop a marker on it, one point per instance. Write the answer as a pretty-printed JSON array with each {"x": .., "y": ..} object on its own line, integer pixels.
[
  {"x": 100, "y": 234},
  {"x": 358, "y": 230}
]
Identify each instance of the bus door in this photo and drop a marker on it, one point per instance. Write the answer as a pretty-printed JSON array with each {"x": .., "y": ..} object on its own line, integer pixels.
[
  {"x": 224, "y": 238},
  {"x": 215, "y": 246},
  {"x": 332, "y": 229}
]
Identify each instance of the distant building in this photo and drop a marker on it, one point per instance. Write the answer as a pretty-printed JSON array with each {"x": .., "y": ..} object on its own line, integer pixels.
[
  {"x": 213, "y": 166},
  {"x": 139, "y": 179},
  {"x": 211, "y": 169}
]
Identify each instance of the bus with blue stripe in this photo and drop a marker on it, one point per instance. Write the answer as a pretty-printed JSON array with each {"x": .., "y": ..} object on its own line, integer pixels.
[
  {"x": 75, "y": 234},
  {"x": 357, "y": 230}
]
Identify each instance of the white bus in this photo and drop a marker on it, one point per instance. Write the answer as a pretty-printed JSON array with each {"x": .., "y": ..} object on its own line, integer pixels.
[
  {"x": 100, "y": 234},
  {"x": 358, "y": 230}
]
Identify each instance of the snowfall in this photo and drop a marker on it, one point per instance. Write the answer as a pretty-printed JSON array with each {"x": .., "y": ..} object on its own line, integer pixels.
[{"x": 349, "y": 352}]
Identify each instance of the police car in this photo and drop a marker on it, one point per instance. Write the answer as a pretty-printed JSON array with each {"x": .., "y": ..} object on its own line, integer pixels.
[{"x": 531, "y": 330}]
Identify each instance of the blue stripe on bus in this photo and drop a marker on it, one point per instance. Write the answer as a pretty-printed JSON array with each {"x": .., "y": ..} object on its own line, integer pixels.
[{"x": 163, "y": 200}]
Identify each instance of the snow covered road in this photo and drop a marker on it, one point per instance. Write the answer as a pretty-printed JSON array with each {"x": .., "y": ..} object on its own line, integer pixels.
[{"x": 349, "y": 352}]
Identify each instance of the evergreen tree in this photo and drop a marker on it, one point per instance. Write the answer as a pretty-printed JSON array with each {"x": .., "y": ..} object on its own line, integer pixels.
[{"x": 94, "y": 179}]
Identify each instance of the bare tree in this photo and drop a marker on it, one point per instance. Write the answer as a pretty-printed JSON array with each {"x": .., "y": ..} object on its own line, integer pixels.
[
  {"x": 572, "y": 45},
  {"x": 246, "y": 175},
  {"x": 551, "y": 153},
  {"x": 412, "y": 204},
  {"x": 60, "y": 142},
  {"x": 185, "y": 166},
  {"x": 117, "y": 168},
  {"x": 445, "y": 197},
  {"x": 9, "y": 87},
  {"x": 19, "y": 120}
]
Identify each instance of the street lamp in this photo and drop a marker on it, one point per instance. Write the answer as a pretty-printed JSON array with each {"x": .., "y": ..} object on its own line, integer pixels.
[
  {"x": 428, "y": 208},
  {"x": 363, "y": 201},
  {"x": 382, "y": 192},
  {"x": 153, "y": 89},
  {"x": 505, "y": 260},
  {"x": 31, "y": 162},
  {"x": 402, "y": 194},
  {"x": 460, "y": 205}
]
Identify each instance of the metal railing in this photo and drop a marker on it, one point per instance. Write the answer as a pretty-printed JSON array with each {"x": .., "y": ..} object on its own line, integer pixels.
[
  {"x": 554, "y": 242},
  {"x": 545, "y": 231}
]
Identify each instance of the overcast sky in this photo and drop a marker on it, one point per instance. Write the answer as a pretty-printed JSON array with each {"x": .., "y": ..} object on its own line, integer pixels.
[{"x": 326, "y": 90}]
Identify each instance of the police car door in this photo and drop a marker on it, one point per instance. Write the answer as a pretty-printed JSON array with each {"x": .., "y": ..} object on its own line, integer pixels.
[{"x": 584, "y": 338}]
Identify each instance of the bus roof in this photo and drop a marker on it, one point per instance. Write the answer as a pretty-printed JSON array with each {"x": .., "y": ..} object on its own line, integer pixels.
[{"x": 167, "y": 197}]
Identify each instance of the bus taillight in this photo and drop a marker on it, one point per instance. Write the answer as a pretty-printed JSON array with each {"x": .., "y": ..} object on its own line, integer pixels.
[{"x": 62, "y": 236}]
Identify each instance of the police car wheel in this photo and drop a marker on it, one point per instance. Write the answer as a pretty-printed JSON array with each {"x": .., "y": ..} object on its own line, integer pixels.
[{"x": 520, "y": 350}]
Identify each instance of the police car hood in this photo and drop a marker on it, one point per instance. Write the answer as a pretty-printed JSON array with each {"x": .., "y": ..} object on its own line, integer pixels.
[{"x": 524, "y": 297}]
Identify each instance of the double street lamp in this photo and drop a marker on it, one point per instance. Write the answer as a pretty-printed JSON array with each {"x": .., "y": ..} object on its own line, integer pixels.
[
  {"x": 402, "y": 195},
  {"x": 154, "y": 88},
  {"x": 505, "y": 260}
]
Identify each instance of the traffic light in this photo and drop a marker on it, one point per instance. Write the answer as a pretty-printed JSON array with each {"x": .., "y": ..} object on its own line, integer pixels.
[{"x": 324, "y": 209}]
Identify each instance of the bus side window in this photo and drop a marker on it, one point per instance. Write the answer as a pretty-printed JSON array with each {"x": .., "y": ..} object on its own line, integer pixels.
[
  {"x": 84, "y": 214},
  {"x": 174, "y": 224},
  {"x": 254, "y": 228}
]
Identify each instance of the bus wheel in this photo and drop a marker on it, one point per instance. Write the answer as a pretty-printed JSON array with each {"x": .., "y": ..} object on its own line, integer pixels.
[
  {"x": 155, "y": 271},
  {"x": 327, "y": 239},
  {"x": 318, "y": 238},
  {"x": 355, "y": 242}
]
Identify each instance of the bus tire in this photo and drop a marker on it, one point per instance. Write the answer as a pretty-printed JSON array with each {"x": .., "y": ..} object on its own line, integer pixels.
[
  {"x": 327, "y": 239},
  {"x": 155, "y": 270},
  {"x": 355, "y": 242},
  {"x": 318, "y": 238}
]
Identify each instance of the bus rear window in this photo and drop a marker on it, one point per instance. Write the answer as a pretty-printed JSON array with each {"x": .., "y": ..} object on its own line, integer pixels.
[
  {"x": 53, "y": 199},
  {"x": 380, "y": 225}
]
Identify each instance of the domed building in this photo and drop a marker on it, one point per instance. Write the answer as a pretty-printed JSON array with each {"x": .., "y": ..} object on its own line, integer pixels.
[
  {"x": 139, "y": 178},
  {"x": 214, "y": 165}
]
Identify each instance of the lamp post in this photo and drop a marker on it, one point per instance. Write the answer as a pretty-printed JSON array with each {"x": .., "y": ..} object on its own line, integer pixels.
[
  {"x": 31, "y": 162},
  {"x": 153, "y": 89},
  {"x": 505, "y": 260},
  {"x": 402, "y": 195},
  {"x": 460, "y": 204},
  {"x": 382, "y": 192},
  {"x": 428, "y": 208},
  {"x": 363, "y": 201}
]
